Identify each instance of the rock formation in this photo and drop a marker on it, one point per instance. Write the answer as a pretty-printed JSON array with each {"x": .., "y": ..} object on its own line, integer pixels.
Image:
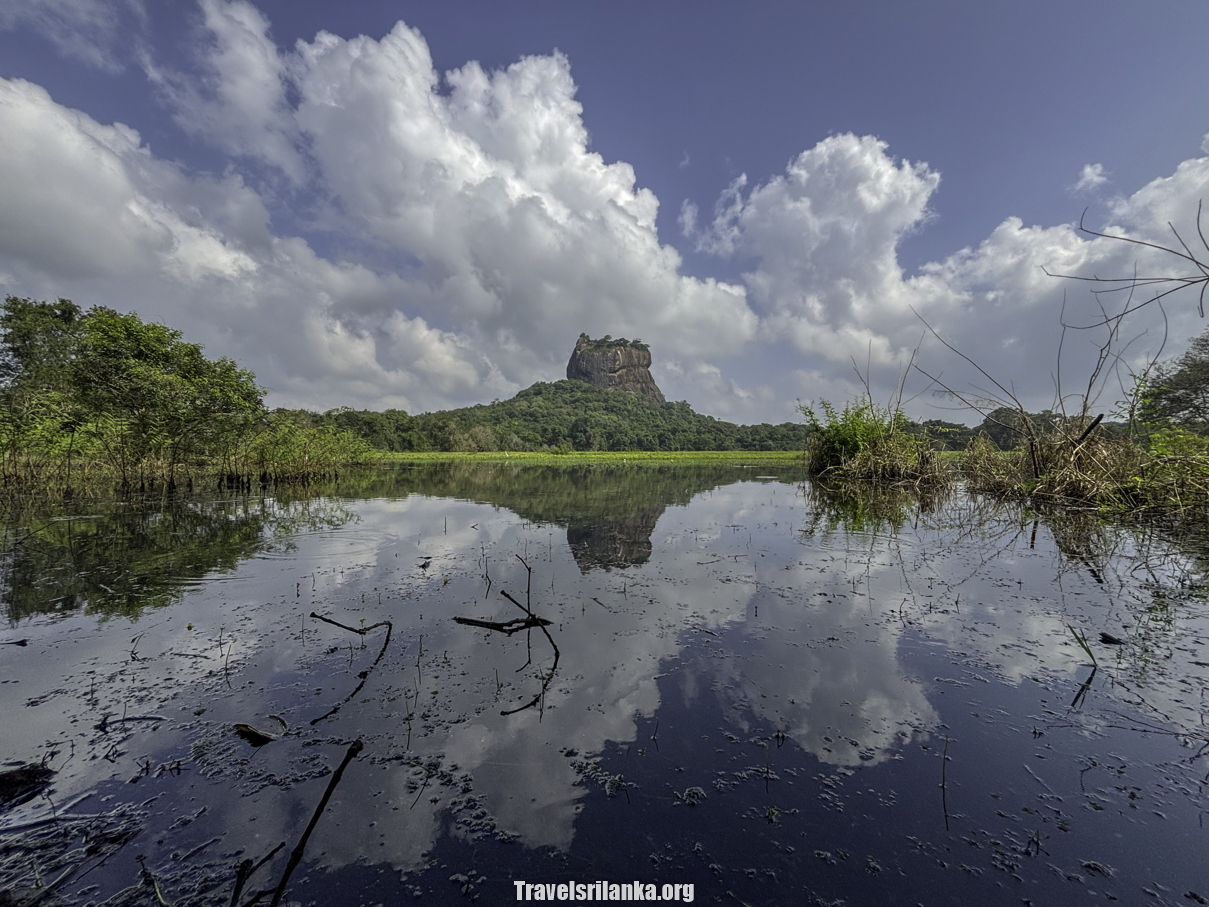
[{"x": 614, "y": 365}]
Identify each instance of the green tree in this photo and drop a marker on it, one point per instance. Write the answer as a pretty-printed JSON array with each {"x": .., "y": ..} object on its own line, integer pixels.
[
  {"x": 38, "y": 415},
  {"x": 152, "y": 399},
  {"x": 1177, "y": 392}
]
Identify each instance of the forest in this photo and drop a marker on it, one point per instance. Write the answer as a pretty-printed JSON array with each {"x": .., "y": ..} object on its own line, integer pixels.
[{"x": 559, "y": 416}]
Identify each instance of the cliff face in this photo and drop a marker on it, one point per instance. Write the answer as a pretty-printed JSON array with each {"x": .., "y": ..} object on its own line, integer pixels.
[{"x": 615, "y": 365}]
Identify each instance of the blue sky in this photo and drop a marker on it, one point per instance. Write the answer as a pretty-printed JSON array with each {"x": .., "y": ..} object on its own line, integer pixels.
[{"x": 422, "y": 205}]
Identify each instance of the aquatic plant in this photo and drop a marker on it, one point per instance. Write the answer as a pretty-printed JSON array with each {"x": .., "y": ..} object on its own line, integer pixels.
[{"x": 868, "y": 443}]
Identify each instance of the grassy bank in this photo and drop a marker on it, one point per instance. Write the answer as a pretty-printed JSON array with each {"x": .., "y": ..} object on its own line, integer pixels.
[{"x": 527, "y": 458}]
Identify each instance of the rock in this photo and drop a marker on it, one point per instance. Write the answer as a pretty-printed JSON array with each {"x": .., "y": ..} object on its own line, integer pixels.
[{"x": 614, "y": 365}]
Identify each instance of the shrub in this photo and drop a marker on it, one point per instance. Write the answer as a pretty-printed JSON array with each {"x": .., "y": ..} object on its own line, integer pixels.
[{"x": 868, "y": 443}]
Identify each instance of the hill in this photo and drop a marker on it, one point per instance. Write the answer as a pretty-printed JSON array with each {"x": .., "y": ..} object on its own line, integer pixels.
[{"x": 560, "y": 415}]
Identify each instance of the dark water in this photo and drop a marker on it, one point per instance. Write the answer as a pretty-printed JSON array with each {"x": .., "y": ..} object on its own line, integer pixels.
[{"x": 747, "y": 686}]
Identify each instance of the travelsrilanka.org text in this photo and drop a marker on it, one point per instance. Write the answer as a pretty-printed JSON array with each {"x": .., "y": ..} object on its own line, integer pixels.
[{"x": 601, "y": 891}]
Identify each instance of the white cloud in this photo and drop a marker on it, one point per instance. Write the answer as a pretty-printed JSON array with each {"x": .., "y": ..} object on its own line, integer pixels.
[
  {"x": 482, "y": 235},
  {"x": 239, "y": 102},
  {"x": 88, "y": 30},
  {"x": 825, "y": 235},
  {"x": 507, "y": 235},
  {"x": 1091, "y": 177},
  {"x": 687, "y": 220}
]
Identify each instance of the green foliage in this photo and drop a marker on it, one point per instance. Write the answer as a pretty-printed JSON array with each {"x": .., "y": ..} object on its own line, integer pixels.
[
  {"x": 113, "y": 397},
  {"x": 607, "y": 342},
  {"x": 867, "y": 443},
  {"x": 289, "y": 449},
  {"x": 1178, "y": 442},
  {"x": 562, "y": 416},
  {"x": 1177, "y": 393},
  {"x": 148, "y": 396}
]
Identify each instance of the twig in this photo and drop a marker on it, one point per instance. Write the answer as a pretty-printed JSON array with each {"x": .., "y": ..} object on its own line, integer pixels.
[
  {"x": 507, "y": 627},
  {"x": 296, "y": 853},
  {"x": 246, "y": 869},
  {"x": 944, "y": 789},
  {"x": 364, "y": 675}
]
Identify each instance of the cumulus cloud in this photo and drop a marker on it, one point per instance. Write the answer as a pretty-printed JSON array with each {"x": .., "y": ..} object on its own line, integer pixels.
[
  {"x": 90, "y": 213},
  {"x": 824, "y": 238},
  {"x": 479, "y": 234},
  {"x": 485, "y": 235},
  {"x": 239, "y": 102},
  {"x": 1092, "y": 176}
]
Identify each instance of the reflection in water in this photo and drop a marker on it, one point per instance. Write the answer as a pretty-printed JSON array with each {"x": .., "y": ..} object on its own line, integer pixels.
[
  {"x": 737, "y": 703},
  {"x": 124, "y": 558},
  {"x": 609, "y": 511}
]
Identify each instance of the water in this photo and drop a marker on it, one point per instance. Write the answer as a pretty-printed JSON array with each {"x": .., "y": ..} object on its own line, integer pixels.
[{"x": 747, "y": 686}]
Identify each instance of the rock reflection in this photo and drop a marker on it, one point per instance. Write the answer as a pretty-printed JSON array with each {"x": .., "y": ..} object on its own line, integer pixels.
[{"x": 609, "y": 511}]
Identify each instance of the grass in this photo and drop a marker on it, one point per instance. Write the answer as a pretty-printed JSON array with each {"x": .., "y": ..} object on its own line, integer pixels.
[
  {"x": 527, "y": 458},
  {"x": 1166, "y": 474},
  {"x": 866, "y": 444}
]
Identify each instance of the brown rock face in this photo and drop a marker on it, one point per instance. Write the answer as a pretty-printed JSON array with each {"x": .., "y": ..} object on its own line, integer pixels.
[{"x": 614, "y": 365}]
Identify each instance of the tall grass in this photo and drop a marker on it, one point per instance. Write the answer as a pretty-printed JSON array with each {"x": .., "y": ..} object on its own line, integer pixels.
[
  {"x": 869, "y": 444},
  {"x": 1168, "y": 473}
]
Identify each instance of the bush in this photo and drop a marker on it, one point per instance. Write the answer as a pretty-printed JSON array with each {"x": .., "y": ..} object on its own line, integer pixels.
[{"x": 868, "y": 443}]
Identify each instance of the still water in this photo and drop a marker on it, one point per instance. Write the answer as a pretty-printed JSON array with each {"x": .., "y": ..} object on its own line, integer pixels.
[{"x": 709, "y": 676}]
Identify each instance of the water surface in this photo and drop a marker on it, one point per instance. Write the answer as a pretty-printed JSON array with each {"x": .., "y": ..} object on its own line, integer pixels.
[{"x": 745, "y": 684}]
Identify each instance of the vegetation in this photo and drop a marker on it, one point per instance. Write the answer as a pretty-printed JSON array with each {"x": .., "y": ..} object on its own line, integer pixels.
[
  {"x": 1177, "y": 393},
  {"x": 124, "y": 558},
  {"x": 607, "y": 342},
  {"x": 562, "y": 416},
  {"x": 732, "y": 458},
  {"x": 99, "y": 396},
  {"x": 866, "y": 443}
]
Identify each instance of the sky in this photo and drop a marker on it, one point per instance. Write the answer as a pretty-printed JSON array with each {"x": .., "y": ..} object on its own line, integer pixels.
[{"x": 422, "y": 205}]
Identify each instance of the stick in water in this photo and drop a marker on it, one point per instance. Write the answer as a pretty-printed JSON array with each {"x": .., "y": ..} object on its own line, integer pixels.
[{"x": 296, "y": 853}]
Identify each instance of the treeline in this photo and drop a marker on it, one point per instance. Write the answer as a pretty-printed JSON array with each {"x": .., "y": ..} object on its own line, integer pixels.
[
  {"x": 574, "y": 416},
  {"x": 559, "y": 416},
  {"x": 1003, "y": 427},
  {"x": 97, "y": 396}
]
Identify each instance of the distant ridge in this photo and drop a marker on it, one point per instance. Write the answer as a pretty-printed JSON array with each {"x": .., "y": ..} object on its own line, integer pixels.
[{"x": 561, "y": 416}]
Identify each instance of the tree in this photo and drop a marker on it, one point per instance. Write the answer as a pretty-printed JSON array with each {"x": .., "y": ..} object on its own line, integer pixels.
[
  {"x": 38, "y": 417},
  {"x": 150, "y": 395},
  {"x": 1177, "y": 392},
  {"x": 39, "y": 338}
]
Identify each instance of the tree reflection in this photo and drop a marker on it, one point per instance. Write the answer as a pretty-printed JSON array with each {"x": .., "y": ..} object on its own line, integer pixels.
[{"x": 126, "y": 557}]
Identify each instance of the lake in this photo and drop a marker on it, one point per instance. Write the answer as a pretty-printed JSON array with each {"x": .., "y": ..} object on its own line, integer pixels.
[{"x": 713, "y": 676}]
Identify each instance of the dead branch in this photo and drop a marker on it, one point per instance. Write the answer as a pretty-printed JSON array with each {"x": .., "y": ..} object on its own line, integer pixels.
[
  {"x": 1173, "y": 283},
  {"x": 507, "y": 627},
  {"x": 364, "y": 675}
]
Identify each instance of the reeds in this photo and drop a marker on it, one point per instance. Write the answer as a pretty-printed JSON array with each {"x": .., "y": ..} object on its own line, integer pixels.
[
  {"x": 868, "y": 445},
  {"x": 1169, "y": 475}
]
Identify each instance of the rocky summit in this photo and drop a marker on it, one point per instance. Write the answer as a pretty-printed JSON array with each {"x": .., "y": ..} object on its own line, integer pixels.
[{"x": 614, "y": 365}]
